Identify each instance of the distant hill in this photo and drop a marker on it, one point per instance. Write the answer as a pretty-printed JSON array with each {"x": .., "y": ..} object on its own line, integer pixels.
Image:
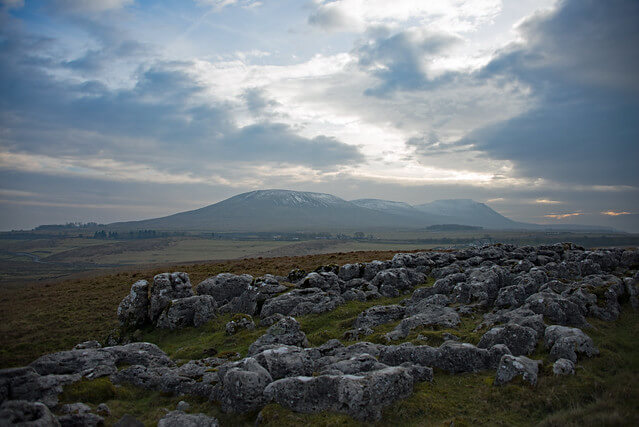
[
  {"x": 288, "y": 211},
  {"x": 468, "y": 212},
  {"x": 275, "y": 210}
]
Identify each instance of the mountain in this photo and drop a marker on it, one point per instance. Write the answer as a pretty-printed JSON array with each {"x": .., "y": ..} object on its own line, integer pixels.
[
  {"x": 469, "y": 212},
  {"x": 274, "y": 210},
  {"x": 291, "y": 211},
  {"x": 402, "y": 209}
]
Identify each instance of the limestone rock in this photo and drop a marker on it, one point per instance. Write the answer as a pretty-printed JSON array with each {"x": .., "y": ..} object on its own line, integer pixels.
[
  {"x": 133, "y": 311},
  {"x": 179, "y": 418},
  {"x": 21, "y": 412},
  {"x": 225, "y": 286},
  {"x": 167, "y": 287},
  {"x": 191, "y": 311},
  {"x": 287, "y": 331},
  {"x": 520, "y": 340},
  {"x": 511, "y": 366},
  {"x": 563, "y": 367}
]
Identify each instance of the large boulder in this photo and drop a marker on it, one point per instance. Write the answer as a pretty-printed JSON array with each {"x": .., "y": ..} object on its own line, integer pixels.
[
  {"x": 285, "y": 361},
  {"x": 23, "y": 413},
  {"x": 182, "y": 419},
  {"x": 225, "y": 286},
  {"x": 26, "y": 384},
  {"x": 351, "y": 271},
  {"x": 519, "y": 339},
  {"x": 191, "y": 311},
  {"x": 326, "y": 281},
  {"x": 361, "y": 396},
  {"x": 167, "y": 287},
  {"x": 242, "y": 384},
  {"x": 301, "y": 301},
  {"x": 558, "y": 309},
  {"x": 451, "y": 356},
  {"x": 287, "y": 331},
  {"x": 133, "y": 311},
  {"x": 395, "y": 281},
  {"x": 563, "y": 367},
  {"x": 379, "y": 315},
  {"x": 512, "y": 366},
  {"x": 429, "y": 316},
  {"x": 566, "y": 343}
]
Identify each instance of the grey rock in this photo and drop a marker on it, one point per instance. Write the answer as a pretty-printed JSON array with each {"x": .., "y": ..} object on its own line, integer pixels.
[
  {"x": 87, "y": 344},
  {"x": 23, "y": 413},
  {"x": 287, "y": 331},
  {"x": 242, "y": 386},
  {"x": 351, "y": 271},
  {"x": 431, "y": 315},
  {"x": 74, "y": 408},
  {"x": 356, "y": 365},
  {"x": 450, "y": 356},
  {"x": 190, "y": 311},
  {"x": 267, "y": 287},
  {"x": 26, "y": 384},
  {"x": 563, "y": 367},
  {"x": 357, "y": 333},
  {"x": 566, "y": 343},
  {"x": 245, "y": 303},
  {"x": 630, "y": 258},
  {"x": 302, "y": 301},
  {"x": 133, "y": 311},
  {"x": 379, "y": 315},
  {"x": 128, "y": 421},
  {"x": 511, "y": 296},
  {"x": 362, "y": 397},
  {"x": 512, "y": 366},
  {"x": 225, "y": 286},
  {"x": 520, "y": 340},
  {"x": 394, "y": 281},
  {"x": 85, "y": 419},
  {"x": 103, "y": 409},
  {"x": 181, "y": 419},
  {"x": 285, "y": 361},
  {"x": 326, "y": 281},
  {"x": 520, "y": 316},
  {"x": 183, "y": 406},
  {"x": 556, "y": 308},
  {"x": 239, "y": 323},
  {"x": 271, "y": 320},
  {"x": 372, "y": 268},
  {"x": 167, "y": 287}
]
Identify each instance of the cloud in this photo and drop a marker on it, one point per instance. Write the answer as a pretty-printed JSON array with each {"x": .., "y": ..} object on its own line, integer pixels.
[
  {"x": 562, "y": 216},
  {"x": 613, "y": 213},
  {"x": 579, "y": 63},
  {"x": 399, "y": 60},
  {"x": 162, "y": 128},
  {"x": 547, "y": 202},
  {"x": 90, "y": 6},
  {"x": 221, "y": 4},
  {"x": 357, "y": 15}
]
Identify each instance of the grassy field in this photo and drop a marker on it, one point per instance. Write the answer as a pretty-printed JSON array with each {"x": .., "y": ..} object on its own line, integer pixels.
[{"x": 38, "y": 319}]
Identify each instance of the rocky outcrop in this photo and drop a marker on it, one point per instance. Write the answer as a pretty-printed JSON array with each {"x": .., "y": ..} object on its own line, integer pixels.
[
  {"x": 361, "y": 396},
  {"x": 182, "y": 419},
  {"x": 517, "y": 290}
]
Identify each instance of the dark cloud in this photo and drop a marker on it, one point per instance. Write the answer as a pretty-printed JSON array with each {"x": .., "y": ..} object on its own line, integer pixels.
[
  {"x": 165, "y": 119},
  {"x": 397, "y": 59},
  {"x": 580, "y": 63},
  {"x": 258, "y": 103}
]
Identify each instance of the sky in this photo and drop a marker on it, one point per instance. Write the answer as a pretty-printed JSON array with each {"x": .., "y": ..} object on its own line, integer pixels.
[{"x": 131, "y": 109}]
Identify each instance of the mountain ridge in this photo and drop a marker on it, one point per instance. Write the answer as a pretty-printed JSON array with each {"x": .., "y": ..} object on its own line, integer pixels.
[{"x": 275, "y": 210}]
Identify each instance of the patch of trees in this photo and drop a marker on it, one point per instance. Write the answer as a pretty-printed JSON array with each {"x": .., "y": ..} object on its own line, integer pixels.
[{"x": 131, "y": 235}]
